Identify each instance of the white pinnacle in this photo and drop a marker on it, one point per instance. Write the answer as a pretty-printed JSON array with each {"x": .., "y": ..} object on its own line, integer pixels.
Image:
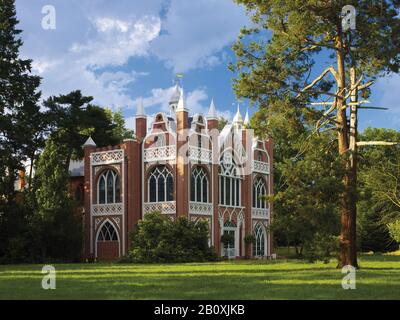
[
  {"x": 238, "y": 117},
  {"x": 89, "y": 143},
  {"x": 140, "y": 108},
  {"x": 212, "y": 113},
  {"x": 246, "y": 118},
  {"x": 181, "y": 102}
]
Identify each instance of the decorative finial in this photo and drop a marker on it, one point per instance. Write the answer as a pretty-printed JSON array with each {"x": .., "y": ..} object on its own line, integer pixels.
[
  {"x": 140, "y": 108},
  {"x": 89, "y": 143},
  {"x": 212, "y": 113}
]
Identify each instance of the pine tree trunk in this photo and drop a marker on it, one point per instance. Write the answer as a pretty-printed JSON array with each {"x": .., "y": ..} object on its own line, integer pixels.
[{"x": 347, "y": 201}]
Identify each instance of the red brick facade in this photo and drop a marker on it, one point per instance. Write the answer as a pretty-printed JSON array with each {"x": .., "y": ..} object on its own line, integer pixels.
[{"x": 180, "y": 166}]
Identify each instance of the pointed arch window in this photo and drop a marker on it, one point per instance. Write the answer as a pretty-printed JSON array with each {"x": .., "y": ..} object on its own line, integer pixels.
[
  {"x": 199, "y": 185},
  {"x": 109, "y": 187},
  {"x": 259, "y": 245},
  {"x": 107, "y": 233},
  {"x": 160, "y": 185},
  {"x": 230, "y": 183},
  {"x": 259, "y": 194}
]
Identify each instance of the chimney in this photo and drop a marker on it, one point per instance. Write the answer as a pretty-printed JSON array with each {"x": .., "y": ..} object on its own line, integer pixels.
[{"x": 141, "y": 121}]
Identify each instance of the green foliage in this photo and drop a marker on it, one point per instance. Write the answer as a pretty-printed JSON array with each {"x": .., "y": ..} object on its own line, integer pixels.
[
  {"x": 250, "y": 239},
  {"x": 159, "y": 239},
  {"x": 227, "y": 238},
  {"x": 222, "y": 123},
  {"x": 20, "y": 116},
  {"x": 57, "y": 226},
  {"x": 74, "y": 119},
  {"x": 379, "y": 172},
  {"x": 323, "y": 248},
  {"x": 394, "y": 230}
]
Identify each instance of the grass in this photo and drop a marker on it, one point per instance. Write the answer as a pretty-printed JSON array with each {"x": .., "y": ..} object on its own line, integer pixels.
[{"x": 378, "y": 278}]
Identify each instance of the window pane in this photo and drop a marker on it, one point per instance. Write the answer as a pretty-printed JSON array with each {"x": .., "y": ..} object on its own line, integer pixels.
[
  {"x": 110, "y": 187},
  {"x": 228, "y": 192},
  {"x": 192, "y": 188},
  {"x": 152, "y": 191},
  {"x": 102, "y": 190},
  {"x": 222, "y": 190},
  {"x": 161, "y": 188},
  {"x": 205, "y": 190},
  {"x": 170, "y": 188},
  {"x": 117, "y": 189},
  {"x": 198, "y": 189},
  {"x": 237, "y": 192}
]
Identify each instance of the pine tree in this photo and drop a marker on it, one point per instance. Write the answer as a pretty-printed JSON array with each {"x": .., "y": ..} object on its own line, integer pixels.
[
  {"x": 276, "y": 59},
  {"x": 19, "y": 97}
]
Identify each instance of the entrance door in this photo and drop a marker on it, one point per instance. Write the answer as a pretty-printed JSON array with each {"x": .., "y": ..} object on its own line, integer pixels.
[
  {"x": 107, "y": 243},
  {"x": 229, "y": 232}
]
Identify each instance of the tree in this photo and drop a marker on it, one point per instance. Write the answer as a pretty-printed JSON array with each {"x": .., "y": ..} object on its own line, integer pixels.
[
  {"x": 74, "y": 119},
  {"x": 19, "y": 97},
  {"x": 277, "y": 56},
  {"x": 157, "y": 238},
  {"x": 379, "y": 186},
  {"x": 58, "y": 229}
]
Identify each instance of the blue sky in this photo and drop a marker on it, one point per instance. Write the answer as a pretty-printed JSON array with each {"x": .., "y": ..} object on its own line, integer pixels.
[{"x": 119, "y": 51}]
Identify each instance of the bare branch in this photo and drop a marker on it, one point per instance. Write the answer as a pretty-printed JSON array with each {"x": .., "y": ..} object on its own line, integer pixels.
[
  {"x": 319, "y": 78},
  {"x": 376, "y": 143}
]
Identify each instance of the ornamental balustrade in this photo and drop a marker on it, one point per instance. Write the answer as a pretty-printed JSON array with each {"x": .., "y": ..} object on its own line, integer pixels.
[
  {"x": 261, "y": 167},
  {"x": 107, "y": 157},
  {"x": 159, "y": 153},
  {"x": 200, "y": 154},
  {"x": 168, "y": 207},
  {"x": 106, "y": 209},
  {"x": 200, "y": 208},
  {"x": 259, "y": 213}
]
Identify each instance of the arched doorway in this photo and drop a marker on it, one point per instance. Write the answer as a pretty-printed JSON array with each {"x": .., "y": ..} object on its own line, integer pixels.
[
  {"x": 259, "y": 245},
  {"x": 107, "y": 242}
]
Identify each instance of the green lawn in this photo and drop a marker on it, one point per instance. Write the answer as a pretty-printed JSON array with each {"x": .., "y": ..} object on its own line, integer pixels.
[{"x": 379, "y": 278}]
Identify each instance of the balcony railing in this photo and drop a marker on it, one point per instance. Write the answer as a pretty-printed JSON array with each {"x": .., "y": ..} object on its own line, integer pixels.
[
  {"x": 107, "y": 157},
  {"x": 200, "y": 154},
  {"x": 160, "y": 153},
  {"x": 168, "y": 207},
  {"x": 106, "y": 209},
  {"x": 229, "y": 253},
  {"x": 259, "y": 213},
  {"x": 261, "y": 167},
  {"x": 200, "y": 208}
]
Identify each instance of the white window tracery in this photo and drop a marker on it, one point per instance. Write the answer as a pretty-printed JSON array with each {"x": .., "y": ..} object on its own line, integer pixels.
[
  {"x": 229, "y": 182},
  {"x": 160, "y": 185},
  {"x": 259, "y": 245},
  {"x": 109, "y": 187},
  {"x": 107, "y": 233},
  {"x": 199, "y": 185},
  {"x": 259, "y": 194}
]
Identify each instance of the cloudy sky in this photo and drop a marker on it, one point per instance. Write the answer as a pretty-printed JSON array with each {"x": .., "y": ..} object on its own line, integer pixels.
[{"x": 119, "y": 51}]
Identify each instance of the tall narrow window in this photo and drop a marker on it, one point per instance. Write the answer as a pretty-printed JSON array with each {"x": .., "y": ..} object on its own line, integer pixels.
[
  {"x": 160, "y": 185},
  {"x": 259, "y": 245},
  {"x": 259, "y": 194},
  {"x": 199, "y": 185},
  {"x": 109, "y": 187},
  {"x": 230, "y": 182}
]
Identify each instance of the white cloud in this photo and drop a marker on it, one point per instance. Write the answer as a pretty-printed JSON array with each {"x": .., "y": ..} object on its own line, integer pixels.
[
  {"x": 116, "y": 41},
  {"x": 195, "y": 32}
]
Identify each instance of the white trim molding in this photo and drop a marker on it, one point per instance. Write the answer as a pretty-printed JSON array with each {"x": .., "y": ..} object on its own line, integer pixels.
[{"x": 167, "y": 207}]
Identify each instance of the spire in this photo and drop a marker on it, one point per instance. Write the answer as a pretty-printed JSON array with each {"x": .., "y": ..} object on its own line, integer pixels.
[
  {"x": 247, "y": 118},
  {"x": 238, "y": 117},
  {"x": 176, "y": 95},
  {"x": 140, "y": 108},
  {"x": 89, "y": 143},
  {"x": 212, "y": 113},
  {"x": 181, "y": 102}
]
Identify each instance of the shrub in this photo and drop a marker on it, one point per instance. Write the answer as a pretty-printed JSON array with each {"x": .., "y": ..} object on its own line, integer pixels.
[
  {"x": 158, "y": 239},
  {"x": 323, "y": 247}
]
